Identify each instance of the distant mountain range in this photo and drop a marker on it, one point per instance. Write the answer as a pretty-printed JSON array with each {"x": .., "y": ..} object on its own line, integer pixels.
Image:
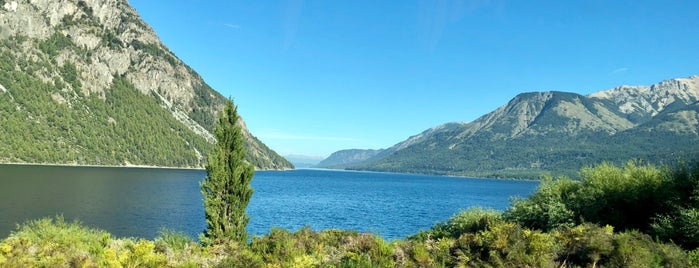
[
  {"x": 88, "y": 82},
  {"x": 551, "y": 132},
  {"x": 303, "y": 161}
]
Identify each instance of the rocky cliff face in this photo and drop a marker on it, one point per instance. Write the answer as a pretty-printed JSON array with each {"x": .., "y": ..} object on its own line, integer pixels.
[
  {"x": 641, "y": 103},
  {"x": 104, "y": 40}
]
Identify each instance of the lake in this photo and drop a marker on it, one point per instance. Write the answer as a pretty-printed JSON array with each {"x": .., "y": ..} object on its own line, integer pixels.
[{"x": 138, "y": 202}]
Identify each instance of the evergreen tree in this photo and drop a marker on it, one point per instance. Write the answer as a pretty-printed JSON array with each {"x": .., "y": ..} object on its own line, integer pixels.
[{"x": 226, "y": 188}]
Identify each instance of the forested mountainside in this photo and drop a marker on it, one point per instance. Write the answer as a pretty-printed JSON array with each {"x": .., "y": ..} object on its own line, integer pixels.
[
  {"x": 88, "y": 82},
  {"x": 557, "y": 132}
]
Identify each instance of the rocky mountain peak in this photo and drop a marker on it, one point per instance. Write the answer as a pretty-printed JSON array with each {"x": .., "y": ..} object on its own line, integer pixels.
[
  {"x": 647, "y": 101},
  {"x": 109, "y": 37},
  {"x": 103, "y": 39}
]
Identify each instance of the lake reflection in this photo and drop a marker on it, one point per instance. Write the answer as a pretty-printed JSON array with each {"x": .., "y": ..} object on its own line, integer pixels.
[{"x": 125, "y": 201}]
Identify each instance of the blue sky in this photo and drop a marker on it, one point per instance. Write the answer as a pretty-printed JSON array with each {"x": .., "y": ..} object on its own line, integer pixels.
[{"x": 314, "y": 77}]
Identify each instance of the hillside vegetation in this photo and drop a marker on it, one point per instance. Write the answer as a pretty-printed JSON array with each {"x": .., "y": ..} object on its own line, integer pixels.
[
  {"x": 88, "y": 82},
  {"x": 633, "y": 215},
  {"x": 90, "y": 130}
]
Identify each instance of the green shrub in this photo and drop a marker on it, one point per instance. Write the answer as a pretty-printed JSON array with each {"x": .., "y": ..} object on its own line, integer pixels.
[
  {"x": 547, "y": 208},
  {"x": 416, "y": 254},
  {"x": 626, "y": 197},
  {"x": 139, "y": 253},
  {"x": 678, "y": 222},
  {"x": 467, "y": 221},
  {"x": 173, "y": 239},
  {"x": 633, "y": 249},
  {"x": 279, "y": 246},
  {"x": 52, "y": 242},
  {"x": 506, "y": 244},
  {"x": 589, "y": 244},
  {"x": 366, "y": 250},
  {"x": 670, "y": 255},
  {"x": 585, "y": 244},
  {"x": 681, "y": 227},
  {"x": 241, "y": 257},
  {"x": 630, "y": 197},
  {"x": 694, "y": 257},
  {"x": 334, "y": 248}
]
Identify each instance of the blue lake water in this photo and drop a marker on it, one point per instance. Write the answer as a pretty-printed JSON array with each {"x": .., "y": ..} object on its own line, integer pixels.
[{"x": 138, "y": 202}]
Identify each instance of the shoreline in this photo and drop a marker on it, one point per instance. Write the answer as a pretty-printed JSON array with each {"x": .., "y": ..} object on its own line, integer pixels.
[
  {"x": 124, "y": 166},
  {"x": 203, "y": 169},
  {"x": 98, "y": 166},
  {"x": 421, "y": 174}
]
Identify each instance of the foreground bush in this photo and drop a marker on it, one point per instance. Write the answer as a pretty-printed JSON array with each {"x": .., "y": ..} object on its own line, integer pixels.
[
  {"x": 663, "y": 202},
  {"x": 492, "y": 241},
  {"x": 485, "y": 241},
  {"x": 57, "y": 243}
]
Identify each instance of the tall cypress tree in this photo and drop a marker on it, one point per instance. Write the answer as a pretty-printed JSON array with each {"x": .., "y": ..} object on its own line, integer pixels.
[{"x": 226, "y": 188}]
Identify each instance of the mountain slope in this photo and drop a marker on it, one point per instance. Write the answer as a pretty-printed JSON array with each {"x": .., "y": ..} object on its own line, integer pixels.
[
  {"x": 557, "y": 132},
  {"x": 673, "y": 133},
  {"x": 88, "y": 82},
  {"x": 344, "y": 157}
]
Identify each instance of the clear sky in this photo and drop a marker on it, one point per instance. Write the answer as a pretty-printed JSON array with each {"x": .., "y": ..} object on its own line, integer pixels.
[{"x": 316, "y": 76}]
